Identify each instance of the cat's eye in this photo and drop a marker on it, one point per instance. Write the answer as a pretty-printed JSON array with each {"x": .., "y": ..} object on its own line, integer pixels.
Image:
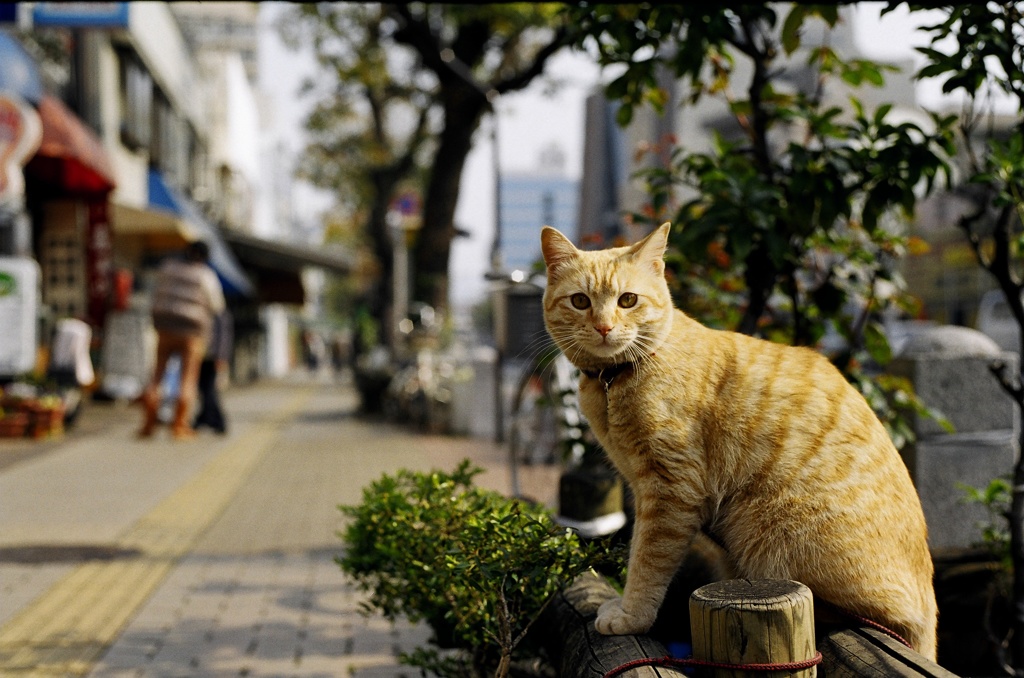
[
  {"x": 580, "y": 301},
  {"x": 627, "y": 300}
]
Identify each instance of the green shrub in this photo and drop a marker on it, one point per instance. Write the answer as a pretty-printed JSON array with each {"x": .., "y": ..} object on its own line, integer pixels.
[
  {"x": 478, "y": 567},
  {"x": 995, "y": 530}
]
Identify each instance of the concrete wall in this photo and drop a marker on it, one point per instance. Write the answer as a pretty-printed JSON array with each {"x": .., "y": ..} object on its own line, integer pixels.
[{"x": 949, "y": 368}]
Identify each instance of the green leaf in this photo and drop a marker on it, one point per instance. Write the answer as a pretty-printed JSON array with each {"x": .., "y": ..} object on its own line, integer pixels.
[
  {"x": 830, "y": 13},
  {"x": 791, "y": 28},
  {"x": 624, "y": 115},
  {"x": 873, "y": 75},
  {"x": 877, "y": 344}
]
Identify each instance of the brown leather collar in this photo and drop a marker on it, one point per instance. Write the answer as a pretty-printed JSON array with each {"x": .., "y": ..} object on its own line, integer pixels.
[{"x": 606, "y": 375}]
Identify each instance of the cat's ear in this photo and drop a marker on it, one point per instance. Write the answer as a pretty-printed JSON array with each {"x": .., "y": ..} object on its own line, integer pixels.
[
  {"x": 556, "y": 248},
  {"x": 652, "y": 249}
]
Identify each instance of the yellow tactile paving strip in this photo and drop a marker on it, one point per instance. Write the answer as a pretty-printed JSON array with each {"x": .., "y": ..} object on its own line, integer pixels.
[{"x": 68, "y": 628}]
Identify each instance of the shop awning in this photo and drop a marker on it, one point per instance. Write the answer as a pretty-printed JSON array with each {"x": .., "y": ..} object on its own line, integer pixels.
[
  {"x": 71, "y": 159},
  {"x": 277, "y": 267},
  {"x": 157, "y": 230},
  {"x": 164, "y": 197},
  {"x": 286, "y": 256}
]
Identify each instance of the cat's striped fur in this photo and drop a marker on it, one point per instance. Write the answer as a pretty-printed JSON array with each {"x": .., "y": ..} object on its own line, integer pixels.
[{"x": 766, "y": 447}]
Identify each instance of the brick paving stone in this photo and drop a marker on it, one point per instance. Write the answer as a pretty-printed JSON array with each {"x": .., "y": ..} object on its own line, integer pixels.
[
  {"x": 20, "y": 585},
  {"x": 259, "y": 593}
]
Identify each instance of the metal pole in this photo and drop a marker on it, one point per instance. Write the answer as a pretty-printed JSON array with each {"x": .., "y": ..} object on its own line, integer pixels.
[
  {"x": 399, "y": 279},
  {"x": 499, "y": 357}
]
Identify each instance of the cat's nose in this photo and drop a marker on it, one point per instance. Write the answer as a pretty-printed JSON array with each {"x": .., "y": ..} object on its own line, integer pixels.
[{"x": 603, "y": 330}]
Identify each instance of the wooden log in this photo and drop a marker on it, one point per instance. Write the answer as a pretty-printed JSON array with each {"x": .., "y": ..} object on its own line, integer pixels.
[
  {"x": 579, "y": 651},
  {"x": 753, "y": 622},
  {"x": 867, "y": 653}
]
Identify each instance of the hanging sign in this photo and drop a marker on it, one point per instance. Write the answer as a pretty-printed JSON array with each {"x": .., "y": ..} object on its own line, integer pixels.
[
  {"x": 99, "y": 263},
  {"x": 21, "y": 132}
]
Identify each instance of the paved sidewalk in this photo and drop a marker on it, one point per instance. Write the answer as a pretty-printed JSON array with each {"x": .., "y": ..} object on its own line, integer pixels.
[{"x": 212, "y": 557}]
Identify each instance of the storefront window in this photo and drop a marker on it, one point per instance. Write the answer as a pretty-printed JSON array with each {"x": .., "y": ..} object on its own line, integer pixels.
[{"x": 136, "y": 102}]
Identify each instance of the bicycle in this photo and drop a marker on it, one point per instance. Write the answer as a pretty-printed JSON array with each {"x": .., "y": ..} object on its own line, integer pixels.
[{"x": 546, "y": 426}]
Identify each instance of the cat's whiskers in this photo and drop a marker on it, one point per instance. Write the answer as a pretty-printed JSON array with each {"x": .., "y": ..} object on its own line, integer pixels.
[
  {"x": 539, "y": 345},
  {"x": 565, "y": 339},
  {"x": 637, "y": 354},
  {"x": 575, "y": 357}
]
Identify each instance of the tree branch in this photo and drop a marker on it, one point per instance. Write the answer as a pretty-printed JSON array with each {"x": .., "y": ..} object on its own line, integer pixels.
[
  {"x": 999, "y": 369},
  {"x": 761, "y": 57},
  {"x": 967, "y": 223},
  {"x": 523, "y": 78},
  {"x": 416, "y": 33}
]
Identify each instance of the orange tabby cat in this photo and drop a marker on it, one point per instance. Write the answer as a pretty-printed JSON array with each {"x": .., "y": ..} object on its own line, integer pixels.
[{"x": 764, "y": 446}]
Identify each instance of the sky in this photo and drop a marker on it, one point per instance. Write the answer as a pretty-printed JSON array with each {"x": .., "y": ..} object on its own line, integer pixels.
[{"x": 531, "y": 120}]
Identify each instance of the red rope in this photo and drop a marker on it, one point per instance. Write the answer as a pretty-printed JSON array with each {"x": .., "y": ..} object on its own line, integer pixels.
[
  {"x": 865, "y": 621},
  {"x": 690, "y": 662}
]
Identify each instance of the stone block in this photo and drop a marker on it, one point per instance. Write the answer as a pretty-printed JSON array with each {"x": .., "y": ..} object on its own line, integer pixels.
[
  {"x": 949, "y": 368},
  {"x": 941, "y": 465}
]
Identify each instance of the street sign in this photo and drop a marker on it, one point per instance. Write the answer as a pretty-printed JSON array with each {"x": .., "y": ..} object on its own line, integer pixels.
[{"x": 407, "y": 204}]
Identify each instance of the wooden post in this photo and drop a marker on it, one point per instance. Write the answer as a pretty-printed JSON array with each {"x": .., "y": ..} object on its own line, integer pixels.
[{"x": 753, "y": 622}]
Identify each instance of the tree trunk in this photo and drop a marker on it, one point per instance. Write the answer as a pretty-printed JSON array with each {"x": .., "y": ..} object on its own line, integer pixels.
[
  {"x": 503, "y": 666},
  {"x": 1017, "y": 554},
  {"x": 464, "y": 107},
  {"x": 376, "y": 227},
  {"x": 759, "y": 275},
  {"x": 1017, "y": 508},
  {"x": 1000, "y": 265}
]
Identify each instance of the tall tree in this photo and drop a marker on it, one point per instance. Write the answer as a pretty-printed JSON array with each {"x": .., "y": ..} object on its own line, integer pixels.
[
  {"x": 441, "y": 66},
  {"x": 475, "y": 53},
  {"x": 371, "y": 126}
]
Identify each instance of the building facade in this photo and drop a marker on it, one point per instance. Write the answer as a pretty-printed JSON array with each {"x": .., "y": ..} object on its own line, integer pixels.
[
  {"x": 529, "y": 201},
  {"x": 150, "y": 123}
]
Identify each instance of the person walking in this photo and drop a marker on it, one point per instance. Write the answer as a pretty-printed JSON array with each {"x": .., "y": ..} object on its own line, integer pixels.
[
  {"x": 215, "y": 364},
  {"x": 187, "y": 297},
  {"x": 70, "y": 366}
]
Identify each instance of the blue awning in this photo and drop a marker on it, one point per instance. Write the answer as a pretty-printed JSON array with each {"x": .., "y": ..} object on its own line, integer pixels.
[
  {"x": 18, "y": 71},
  {"x": 222, "y": 260}
]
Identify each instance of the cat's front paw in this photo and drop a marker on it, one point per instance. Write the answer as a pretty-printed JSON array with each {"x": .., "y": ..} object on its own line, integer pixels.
[{"x": 612, "y": 620}]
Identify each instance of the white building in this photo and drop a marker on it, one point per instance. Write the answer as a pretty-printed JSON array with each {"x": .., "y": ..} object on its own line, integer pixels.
[{"x": 150, "y": 140}]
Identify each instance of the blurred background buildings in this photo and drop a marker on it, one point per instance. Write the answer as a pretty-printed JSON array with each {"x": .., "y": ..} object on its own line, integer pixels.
[
  {"x": 151, "y": 134},
  {"x": 153, "y": 131},
  {"x": 545, "y": 196}
]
